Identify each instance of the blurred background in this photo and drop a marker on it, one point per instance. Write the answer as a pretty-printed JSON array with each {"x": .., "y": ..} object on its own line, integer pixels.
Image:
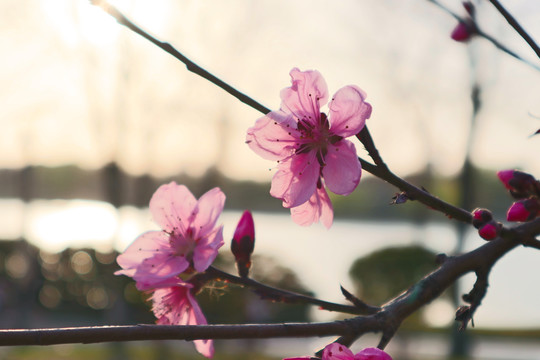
[{"x": 95, "y": 118}]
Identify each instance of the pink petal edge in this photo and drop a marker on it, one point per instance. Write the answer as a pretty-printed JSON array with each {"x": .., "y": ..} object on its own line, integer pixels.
[
  {"x": 306, "y": 95},
  {"x": 348, "y": 111}
]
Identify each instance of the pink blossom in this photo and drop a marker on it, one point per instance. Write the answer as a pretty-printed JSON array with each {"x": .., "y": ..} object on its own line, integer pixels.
[
  {"x": 175, "y": 304},
  {"x": 311, "y": 148},
  {"x": 189, "y": 236},
  {"x": 337, "y": 351}
]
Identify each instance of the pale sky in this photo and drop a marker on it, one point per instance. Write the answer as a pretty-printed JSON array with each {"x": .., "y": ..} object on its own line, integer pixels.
[{"x": 80, "y": 89}]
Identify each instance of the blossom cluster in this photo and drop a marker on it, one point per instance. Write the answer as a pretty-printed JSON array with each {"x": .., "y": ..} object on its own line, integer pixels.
[
  {"x": 312, "y": 153},
  {"x": 164, "y": 262},
  {"x": 521, "y": 186},
  {"x": 526, "y": 189}
]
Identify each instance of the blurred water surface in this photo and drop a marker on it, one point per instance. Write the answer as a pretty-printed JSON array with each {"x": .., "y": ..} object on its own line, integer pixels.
[{"x": 321, "y": 258}]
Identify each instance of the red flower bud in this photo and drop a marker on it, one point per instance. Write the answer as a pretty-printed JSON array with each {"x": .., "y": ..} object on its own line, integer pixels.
[
  {"x": 523, "y": 210},
  {"x": 461, "y": 32},
  {"x": 469, "y": 7},
  {"x": 481, "y": 217},
  {"x": 519, "y": 183},
  {"x": 243, "y": 243},
  {"x": 489, "y": 231},
  {"x": 505, "y": 176}
]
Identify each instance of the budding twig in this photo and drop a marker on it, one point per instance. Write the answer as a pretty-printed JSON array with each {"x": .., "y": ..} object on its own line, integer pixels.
[
  {"x": 491, "y": 39},
  {"x": 274, "y": 294}
]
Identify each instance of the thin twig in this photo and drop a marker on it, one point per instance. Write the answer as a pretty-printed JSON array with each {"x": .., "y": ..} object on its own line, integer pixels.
[
  {"x": 268, "y": 292},
  {"x": 415, "y": 193},
  {"x": 517, "y": 26},
  {"x": 190, "y": 65}
]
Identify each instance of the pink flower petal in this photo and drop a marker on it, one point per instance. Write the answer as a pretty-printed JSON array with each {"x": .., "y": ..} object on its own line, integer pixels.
[
  {"x": 296, "y": 179},
  {"x": 161, "y": 266},
  {"x": 207, "y": 211},
  {"x": 319, "y": 207},
  {"x": 207, "y": 249},
  {"x": 342, "y": 170},
  {"x": 205, "y": 347},
  {"x": 337, "y": 351},
  {"x": 171, "y": 206},
  {"x": 348, "y": 111},
  {"x": 306, "y": 95},
  {"x": 175, "y": 305},
  {"x": 273, "y": 136},
  {"x": 145, "y": 246},
  {"x": 372, "y": 354}
]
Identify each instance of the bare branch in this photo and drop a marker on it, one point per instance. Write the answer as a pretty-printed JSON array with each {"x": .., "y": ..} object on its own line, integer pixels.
[
  {"x": 190, "y": 65},
  {"x": 412, "y": 192},
  {"x": 100, "y": 334},
  {"x": 516, "y": 25}
]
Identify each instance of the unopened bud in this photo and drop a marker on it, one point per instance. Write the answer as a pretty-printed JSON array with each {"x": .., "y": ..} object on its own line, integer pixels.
[
  {"x": 519, "y": 183},
  {"x": 489, "y": 231},
  {"x": 243, "y": 243},
  {"x": 523, "y": 210},
  {"x": 461, "y": 32},
  {"x": 481, "y": 217},
  {"x": 469, "y": 7}
]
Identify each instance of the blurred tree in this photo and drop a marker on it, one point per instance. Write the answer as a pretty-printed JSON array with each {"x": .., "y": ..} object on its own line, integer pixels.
[{"x": 385, "y": 273}]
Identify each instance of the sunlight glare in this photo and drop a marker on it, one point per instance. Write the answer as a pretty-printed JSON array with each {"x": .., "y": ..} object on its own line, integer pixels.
[
  {"x": 56, "y": 225},
  {"x": 76, "y": 21}
]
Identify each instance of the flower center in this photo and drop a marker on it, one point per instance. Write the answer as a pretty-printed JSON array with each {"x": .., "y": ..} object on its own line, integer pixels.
[
  {"x": 184, "y": 244},
  {"x": 316, "y": 136}
]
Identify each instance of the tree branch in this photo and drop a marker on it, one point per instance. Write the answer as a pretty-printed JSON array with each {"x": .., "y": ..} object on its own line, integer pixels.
[
  {"x": 268, "y": 292},
  {"x": 190, "y": 65},
  {"x": 413, "y": 193},
  {"x": 516, "y": 25},
  {"x": 100, "y": 334}
]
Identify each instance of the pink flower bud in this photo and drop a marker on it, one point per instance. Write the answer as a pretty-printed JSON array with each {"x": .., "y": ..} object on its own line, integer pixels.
[
  {"x": 461, "y": 33},
  {"x": 505, "y": 176},
  {"x": 469, "y": 7},
  {"x": 523, "y": 210},
  {"x": 489, "y": 231},
  {"x": 481, "y": 217},
  {"x": 519, "y": 183},
  {"x": 243, "y": 243}
]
